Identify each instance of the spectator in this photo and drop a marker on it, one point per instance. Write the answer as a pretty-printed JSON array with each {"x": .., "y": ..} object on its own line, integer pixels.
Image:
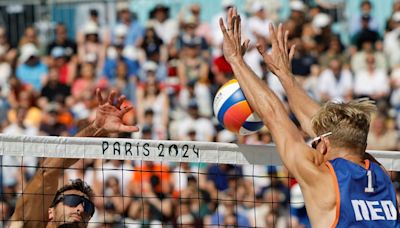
[
  {"x": 335, "y": 83},
  {"x": 297, "y": 209},
  {"x": 29, "y": 37},
  {"x": 356, "y": 22},
  {"x": 365, "y": 34},
  {"x": 85, "y": 81},
  {"x": 50, "y": 124},
  {"x": 61, "y": 40},
  {"x": 152, "y": 96},
  {"x": 53, "y": 90},
  {"x": 381, "y": 137},
  {"x": 5, "y": 72},
  {"x": 391, "y": 42},
  {"x": 153, "y": 45},
  {"x": 165, "y": 27},
  {"x": 229, "y": 214},
  {"x": 258, "y": 22},
  {"x": 371, "y": 82},
  {"x": 358, "y": 60},
  {"x": 335, "y": 51},
  {"x": 31, "y": 70},
  {"x": 9, "y": 52},
  {"x": 135, "y": 30}
]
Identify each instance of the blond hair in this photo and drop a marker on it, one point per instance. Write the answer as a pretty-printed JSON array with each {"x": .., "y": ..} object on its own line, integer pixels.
[{"x": 348, "y": 122}]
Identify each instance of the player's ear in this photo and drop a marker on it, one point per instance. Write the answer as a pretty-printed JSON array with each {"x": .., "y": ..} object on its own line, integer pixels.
[{"x": 324, "y": 146}]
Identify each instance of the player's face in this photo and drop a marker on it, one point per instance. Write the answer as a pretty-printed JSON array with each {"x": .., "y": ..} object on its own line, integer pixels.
[{"x": 73, "y": 208}]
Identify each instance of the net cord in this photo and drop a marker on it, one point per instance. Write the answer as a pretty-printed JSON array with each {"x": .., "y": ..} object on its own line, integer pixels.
[{"x": 156, "y": 150}]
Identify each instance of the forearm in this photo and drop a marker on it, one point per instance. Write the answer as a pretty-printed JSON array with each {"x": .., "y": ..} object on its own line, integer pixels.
[
  {"x": 261, "y": 98},
  {"x": 300, "y": 103}
]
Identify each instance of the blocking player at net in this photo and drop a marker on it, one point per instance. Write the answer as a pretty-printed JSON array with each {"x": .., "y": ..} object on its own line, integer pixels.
[
  {"x": 342, "y": 187},
  {"x": 41, "y": 204}
]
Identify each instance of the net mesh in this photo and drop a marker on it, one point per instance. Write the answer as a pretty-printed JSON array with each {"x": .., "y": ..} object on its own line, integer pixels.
[{"x": 146, "y": 191}]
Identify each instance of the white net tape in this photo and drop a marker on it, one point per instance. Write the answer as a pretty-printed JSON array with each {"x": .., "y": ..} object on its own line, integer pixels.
[{"x": 156, "y": 150}]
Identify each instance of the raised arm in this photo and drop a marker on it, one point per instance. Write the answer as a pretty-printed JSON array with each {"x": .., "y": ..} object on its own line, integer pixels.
[
  {"x": 301, "y": 160},
  {"x": 32, "y": 207},
  {"x": 279, "y": 63}
]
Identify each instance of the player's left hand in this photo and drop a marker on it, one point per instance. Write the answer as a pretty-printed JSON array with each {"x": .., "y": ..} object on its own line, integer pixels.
[
  {"x": 280, "y": 58},
  {"x": 109, "y": 114},
  {"x": 232, "y": 47}
]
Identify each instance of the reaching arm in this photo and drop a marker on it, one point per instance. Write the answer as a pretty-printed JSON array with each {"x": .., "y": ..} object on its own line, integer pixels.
[
  {"x": 279, "y": 63},
  {"x": 301, "y": 160},
  {"x": 32, "y": 207}
]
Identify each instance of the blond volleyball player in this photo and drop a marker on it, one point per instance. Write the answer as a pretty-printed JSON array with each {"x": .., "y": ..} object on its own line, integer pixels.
[
  {"x": 342, "y": 185},
  {"x": 41, "y": 204}
]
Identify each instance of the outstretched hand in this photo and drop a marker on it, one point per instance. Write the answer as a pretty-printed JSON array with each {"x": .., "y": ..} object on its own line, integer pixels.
[
  {"x": 109, "y": 114},
  {"x": 232, "y": 47},
  {"x": 280, "y": 58}
]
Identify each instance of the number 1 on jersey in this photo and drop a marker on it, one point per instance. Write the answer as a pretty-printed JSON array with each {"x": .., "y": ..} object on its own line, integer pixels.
[{"x": 369, "y": 187}]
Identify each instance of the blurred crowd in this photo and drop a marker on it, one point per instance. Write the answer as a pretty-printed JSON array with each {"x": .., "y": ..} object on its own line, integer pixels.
[{"x": 170, "y": 68}]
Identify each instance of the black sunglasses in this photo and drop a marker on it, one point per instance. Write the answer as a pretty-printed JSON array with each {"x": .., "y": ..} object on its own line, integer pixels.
[
  {"x": 315, "y": 141},
  {"x": 73, "y": 200}
]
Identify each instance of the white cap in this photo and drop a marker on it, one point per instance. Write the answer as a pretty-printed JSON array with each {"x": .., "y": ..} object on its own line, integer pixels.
[
  {"x": 296, "y": 197},
  {"x": 91, "y": 28},
  {"x": 297, "y": 5},
  {"x": 121, "y": 30},
  {"x": 28, "y": 50},
  {"x": 122, "y": 6},
  {"x": 226, "y": 136},
  {"x": 256, "y": 6},
  {"x": 150, "y": 66},
  {"x": 226, "y": 3},
  {"x": 321, "y": 20},
  {"x": 130, "y": 52},
  {"x": 396, "y": 17}
]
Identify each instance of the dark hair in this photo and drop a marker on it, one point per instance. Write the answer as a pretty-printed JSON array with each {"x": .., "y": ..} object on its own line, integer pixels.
[{"x": 76, "y": 184}]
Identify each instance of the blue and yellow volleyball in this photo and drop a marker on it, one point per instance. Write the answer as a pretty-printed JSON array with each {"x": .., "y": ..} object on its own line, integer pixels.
[{"x": 233, "y": 111}]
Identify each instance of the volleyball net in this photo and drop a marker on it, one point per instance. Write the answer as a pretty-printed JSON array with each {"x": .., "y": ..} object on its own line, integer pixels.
[{"x": 153, "y": 183}]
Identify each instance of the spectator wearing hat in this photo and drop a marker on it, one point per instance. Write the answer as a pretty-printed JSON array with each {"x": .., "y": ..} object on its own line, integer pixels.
[
  {"x": 50, "y": 124},
  {"x": 391, "y": 42},
  {"x": 165, "y": 27},
  {"x": 258, "y": 22},
  {"x": 203, "y": 28},
  {"x": 189, "y": 38},
  {"x": 31, "y": 70},
  {"x": 134, "y": 30},
  {"x": 90, "y": 47}
]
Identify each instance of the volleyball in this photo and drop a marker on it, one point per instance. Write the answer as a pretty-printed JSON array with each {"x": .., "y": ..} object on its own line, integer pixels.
[{"x": 233, "y": 111}]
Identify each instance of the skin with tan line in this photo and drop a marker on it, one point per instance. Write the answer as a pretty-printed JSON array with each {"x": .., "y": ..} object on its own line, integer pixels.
[
  {"x": 33, "y": 207},
  {"x": 306, "y": 164}
]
